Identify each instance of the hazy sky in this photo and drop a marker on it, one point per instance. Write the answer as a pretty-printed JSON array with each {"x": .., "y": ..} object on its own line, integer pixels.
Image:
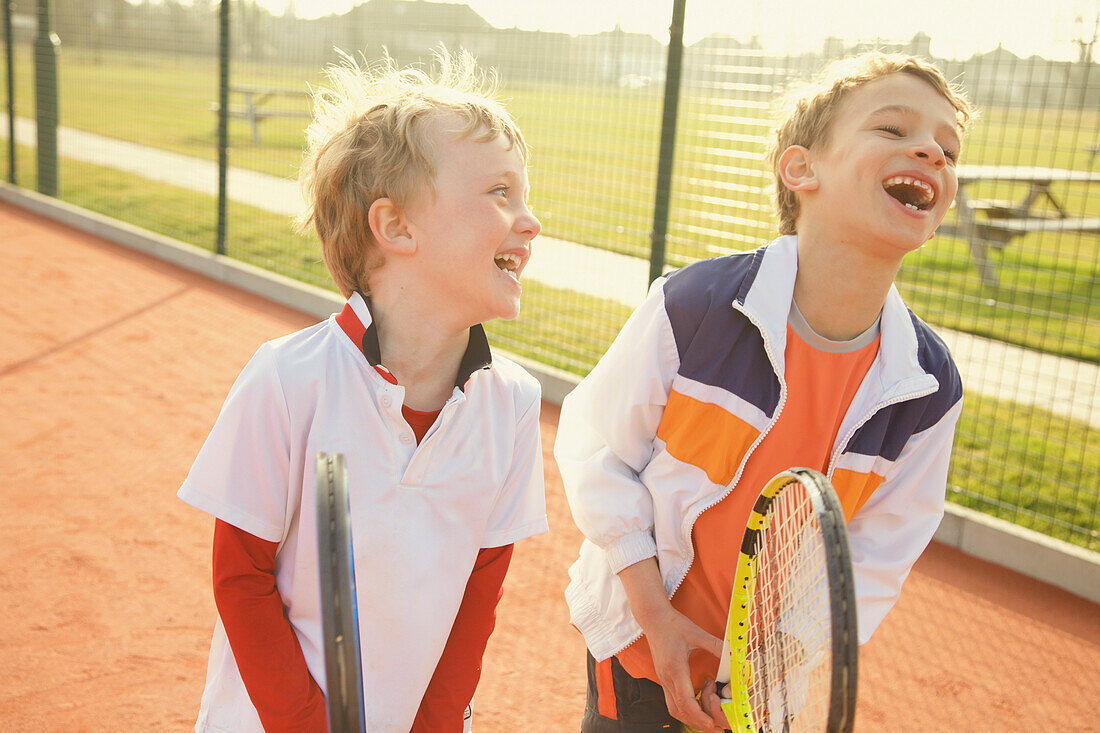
[{"x": 958, "y": 27}]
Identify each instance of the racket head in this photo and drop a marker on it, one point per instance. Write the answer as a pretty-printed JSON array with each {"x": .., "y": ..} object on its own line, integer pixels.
[
  {"x": 791, "y": 641},
  {"x": 339, "y": 609}
]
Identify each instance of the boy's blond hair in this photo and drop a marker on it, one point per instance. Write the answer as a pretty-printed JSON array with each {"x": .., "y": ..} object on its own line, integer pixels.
[
  {"x": 370, "y": 139},
  {"x": 809, "y": 111}
]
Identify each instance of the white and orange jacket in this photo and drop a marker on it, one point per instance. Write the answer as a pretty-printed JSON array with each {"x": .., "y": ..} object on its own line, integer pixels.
[{"x": 661, "y": 429}]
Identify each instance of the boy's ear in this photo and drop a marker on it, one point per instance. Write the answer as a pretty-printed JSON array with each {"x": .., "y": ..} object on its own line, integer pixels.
[
  {"x": 390, "y": 227},
  {"x": 796, "y": 169}
]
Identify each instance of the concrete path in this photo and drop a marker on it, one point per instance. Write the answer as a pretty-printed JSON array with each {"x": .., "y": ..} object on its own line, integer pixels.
[{"x": 989, "y": 367}]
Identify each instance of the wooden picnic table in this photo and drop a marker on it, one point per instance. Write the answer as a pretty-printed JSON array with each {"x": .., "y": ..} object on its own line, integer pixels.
[
  {"x": 986, "y": 223},
  {"x": 254, "y": 105}
]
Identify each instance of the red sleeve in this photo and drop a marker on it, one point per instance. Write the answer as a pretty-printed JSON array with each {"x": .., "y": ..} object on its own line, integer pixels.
[
  {"x": 459, "y": 669},
  {"x": 264, "y": 646}
]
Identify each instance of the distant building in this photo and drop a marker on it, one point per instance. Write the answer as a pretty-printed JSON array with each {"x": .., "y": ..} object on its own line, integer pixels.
[
  {"x": 631, "y": 60},
  {"x": 409, "y": 29},
  {"x": 919, "y": 45},
  {"x": 718, "y": 65},
  {"x": 1001, "y": 78},
  {"x": 731, "y": 66}
]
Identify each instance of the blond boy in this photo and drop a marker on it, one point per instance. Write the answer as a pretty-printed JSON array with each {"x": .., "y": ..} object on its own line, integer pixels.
[
  {"x": 797, "y": 353},
  {"x": 417, "y": 188}
]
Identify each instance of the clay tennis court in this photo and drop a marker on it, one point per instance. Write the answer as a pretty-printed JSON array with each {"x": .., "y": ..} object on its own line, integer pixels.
[{"x": 113, "y": 366}]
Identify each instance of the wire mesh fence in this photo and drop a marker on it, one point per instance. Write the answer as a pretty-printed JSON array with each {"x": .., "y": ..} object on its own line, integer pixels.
[{"x": 1011, "y": 282}]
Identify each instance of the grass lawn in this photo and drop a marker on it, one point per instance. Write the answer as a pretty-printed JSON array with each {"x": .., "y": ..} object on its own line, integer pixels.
[
  {"x": 1029, "y": 467},
  {"x": 601, "y": 193},
  {"x": 593, "y": 171},
  {"x": 1016, "y": 462},
  {"x": 560, "y": 328}
]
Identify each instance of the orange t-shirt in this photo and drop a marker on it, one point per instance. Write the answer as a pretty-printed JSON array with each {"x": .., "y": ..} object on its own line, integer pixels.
[{"x": 822, "y": 379}]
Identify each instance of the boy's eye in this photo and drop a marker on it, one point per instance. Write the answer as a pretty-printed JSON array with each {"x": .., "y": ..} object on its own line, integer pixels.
[
  {"x": 950, "y": 155},
  {"x": 892, "y": 129},
  {"x": 502, "y": 191}
]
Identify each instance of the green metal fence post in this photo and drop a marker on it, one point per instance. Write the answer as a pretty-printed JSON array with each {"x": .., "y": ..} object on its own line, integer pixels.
[
  {"x": 668, "y": 141},
  {"x": 46, "y": 44},
  {"x": 10, "y": 53},
  {"x": 223, "y": 121}
]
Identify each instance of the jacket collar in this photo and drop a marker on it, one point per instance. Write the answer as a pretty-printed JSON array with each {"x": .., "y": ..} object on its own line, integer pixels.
[
  {"x": 767, "y": 297},
  {"x": 357, "y": 322}
]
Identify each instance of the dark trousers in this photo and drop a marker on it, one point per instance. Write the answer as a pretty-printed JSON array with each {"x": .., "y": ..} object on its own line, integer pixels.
[{"x": 619, "y": 703}]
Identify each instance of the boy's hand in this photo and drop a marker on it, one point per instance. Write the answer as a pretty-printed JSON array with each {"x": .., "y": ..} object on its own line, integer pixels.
[
  {"x": 672, "y": 638},
  {"x": 711, "y": 701}
]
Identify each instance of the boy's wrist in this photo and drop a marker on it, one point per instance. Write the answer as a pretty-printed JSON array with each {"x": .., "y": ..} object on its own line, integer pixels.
[
  {"x": 645, "y": 591},
  {"x": 654, "y": 613}
]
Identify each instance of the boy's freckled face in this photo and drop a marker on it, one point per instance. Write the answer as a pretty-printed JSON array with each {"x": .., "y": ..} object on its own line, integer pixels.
[
  {"x": 474, "y": 236},
  {"x": 886, "y": 172}
]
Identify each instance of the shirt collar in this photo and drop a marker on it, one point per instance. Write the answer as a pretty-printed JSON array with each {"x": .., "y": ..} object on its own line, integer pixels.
[
  {"x": 797, "y": 323},
  {"x": 357, "y": 322}
]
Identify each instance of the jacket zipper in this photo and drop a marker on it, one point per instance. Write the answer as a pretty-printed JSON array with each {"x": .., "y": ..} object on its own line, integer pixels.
[
  {"x": 838, "y": 449},
  {"x": 740, "y": 469},
  {"x": 752, "y": 448}
]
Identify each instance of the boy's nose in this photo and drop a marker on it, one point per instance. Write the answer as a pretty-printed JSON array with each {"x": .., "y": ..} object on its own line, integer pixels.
[
  {"x": 528, "y": 224},
  {"x": 931, "y": 153}
]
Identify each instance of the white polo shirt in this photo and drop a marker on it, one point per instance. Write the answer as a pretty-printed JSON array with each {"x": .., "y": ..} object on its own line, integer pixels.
[{"x": 420, "y": 514}]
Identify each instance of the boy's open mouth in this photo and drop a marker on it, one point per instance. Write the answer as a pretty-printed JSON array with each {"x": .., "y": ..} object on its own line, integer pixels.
[
  {"x": 508, "y": 262},
  {"x": 913, "y": 192}
]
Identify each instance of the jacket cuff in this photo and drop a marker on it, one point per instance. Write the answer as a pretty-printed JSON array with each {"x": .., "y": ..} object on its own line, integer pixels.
[{"x": 630, "y": 549}]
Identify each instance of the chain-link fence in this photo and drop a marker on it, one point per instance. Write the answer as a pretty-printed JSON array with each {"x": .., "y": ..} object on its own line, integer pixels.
[{"x": 1011, "y": 282}]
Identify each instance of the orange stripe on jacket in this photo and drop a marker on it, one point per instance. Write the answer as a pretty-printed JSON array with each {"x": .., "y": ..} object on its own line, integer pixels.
[
  {"x": 854, "y": 489},
  {"x": 705, "y": 436},
  {"x": 820, "y": 388}
]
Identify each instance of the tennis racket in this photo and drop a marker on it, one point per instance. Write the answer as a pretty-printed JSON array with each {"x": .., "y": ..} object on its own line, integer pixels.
[
  {"x": 339, "y": 612},
  {"x": 790, "y": 646}
]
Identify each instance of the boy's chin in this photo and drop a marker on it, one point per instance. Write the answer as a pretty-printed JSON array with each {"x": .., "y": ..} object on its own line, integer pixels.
[
  {"x": 905, "y": 245},
  {"x": 502, "y": 312},
  {"x": 912, "y": 239},
  {"x": 510, "y": 315}
]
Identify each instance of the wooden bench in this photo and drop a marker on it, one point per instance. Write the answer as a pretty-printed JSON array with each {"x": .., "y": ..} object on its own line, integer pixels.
[
  {"x": 996, "y": 208},
  {"x": 253, "y": 106},
  {"x": 998, "y": 231},
  {"x": 986, "y": 223},
  {"x": 994, "y": 228}
]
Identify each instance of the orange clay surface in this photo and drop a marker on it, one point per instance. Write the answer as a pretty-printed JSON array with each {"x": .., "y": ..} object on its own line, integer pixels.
[{"x": 113, "y": 367}]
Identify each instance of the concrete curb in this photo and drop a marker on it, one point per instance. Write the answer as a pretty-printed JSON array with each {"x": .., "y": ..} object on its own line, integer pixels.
[
  {"x": 301, "y": 296},
  {"x": 1033, "y": 554}
]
